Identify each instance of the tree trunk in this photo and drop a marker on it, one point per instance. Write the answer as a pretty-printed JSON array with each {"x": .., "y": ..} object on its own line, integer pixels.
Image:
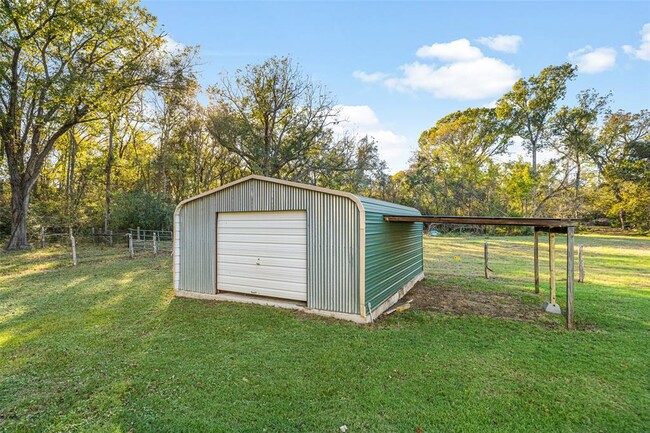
[
  {"x": 534, "y": 173},
  {"x": 622, "y": 217},
  {"x": 577, "y": 189},
  {"x": 19, "y": 204},
  {"x": 109, "y": 168},
  {"x": 69, "y": 179}
]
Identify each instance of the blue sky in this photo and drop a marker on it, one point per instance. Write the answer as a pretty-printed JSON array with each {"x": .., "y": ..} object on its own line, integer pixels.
[{"x": 397, "y": 67}]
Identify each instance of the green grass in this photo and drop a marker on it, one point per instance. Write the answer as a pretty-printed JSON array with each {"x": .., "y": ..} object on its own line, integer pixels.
[{"x": 106, "y": 347}]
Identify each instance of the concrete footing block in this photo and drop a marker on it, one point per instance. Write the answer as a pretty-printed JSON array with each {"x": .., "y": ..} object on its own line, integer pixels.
[{"x": 552, "y": 308}]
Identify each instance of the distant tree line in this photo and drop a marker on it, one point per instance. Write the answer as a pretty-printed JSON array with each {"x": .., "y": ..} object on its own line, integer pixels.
[
  {"x": 101, "y": 125},
  {"x": 600, "y": 165}
]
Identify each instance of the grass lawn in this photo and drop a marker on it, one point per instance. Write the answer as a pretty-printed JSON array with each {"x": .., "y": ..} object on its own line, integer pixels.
[{"x": 107, "y": 347}]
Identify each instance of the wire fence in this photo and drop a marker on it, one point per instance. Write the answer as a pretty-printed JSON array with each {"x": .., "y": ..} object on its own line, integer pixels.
[{"x": 83, "y": 246}]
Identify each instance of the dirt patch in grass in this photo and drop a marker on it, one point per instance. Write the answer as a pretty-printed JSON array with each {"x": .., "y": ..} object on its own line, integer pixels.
[{"x": 490, "y": 304}]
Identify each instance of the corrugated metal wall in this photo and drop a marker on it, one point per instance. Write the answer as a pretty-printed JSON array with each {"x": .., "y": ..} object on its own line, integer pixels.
[
  {"x": 393, "y": 250},
  {"x": 332, "y": 239}
]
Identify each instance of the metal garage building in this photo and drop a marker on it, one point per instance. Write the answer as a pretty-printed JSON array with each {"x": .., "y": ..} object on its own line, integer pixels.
[{"x": 275, "y": 242}]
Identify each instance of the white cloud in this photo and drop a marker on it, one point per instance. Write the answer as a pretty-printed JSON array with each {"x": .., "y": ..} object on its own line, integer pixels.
[
  {"x": 643, "y": 52},
  {"x": 477, "y": 79},
  {"x": 504, "y": 43},
  {"x": 361, "y": 120},
  {"x": 357, "y": 115},
  {"x": 172, "y": 46},
  {"x": 454, "y": 51},
  {"x": 593, "y": 61},
  {"x": 465, "y": 73},
  {"x": 369, "y": 77}
]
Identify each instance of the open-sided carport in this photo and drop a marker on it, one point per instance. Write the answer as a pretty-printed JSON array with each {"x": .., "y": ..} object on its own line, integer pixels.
[{"x": 550, "y": 225}]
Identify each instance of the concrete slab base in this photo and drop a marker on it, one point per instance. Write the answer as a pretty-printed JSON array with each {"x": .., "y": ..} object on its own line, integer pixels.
[
  {"x": 552, "y": 308},
  {"x": 301, "y": 306}
]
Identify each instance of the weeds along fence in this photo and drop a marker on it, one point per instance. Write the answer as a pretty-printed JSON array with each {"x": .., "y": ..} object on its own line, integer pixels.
[{"x": 81, "y": 246}]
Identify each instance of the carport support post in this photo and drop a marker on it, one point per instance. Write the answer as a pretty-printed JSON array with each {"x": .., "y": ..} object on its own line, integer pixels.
[
  {"x": 551, "y": 264},
  {"x": 536, "y": 258},
  {"x": 569, "y": 276}
]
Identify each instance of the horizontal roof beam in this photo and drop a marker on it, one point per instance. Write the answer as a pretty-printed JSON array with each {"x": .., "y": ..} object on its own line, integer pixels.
[{"x": 496, "y": 221}]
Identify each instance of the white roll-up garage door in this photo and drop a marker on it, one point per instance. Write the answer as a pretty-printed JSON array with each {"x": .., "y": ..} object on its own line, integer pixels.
[{"x": 263, "y": 253}]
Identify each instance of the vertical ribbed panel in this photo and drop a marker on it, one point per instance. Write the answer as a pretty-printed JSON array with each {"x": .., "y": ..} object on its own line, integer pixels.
[
  {"x": 393, "y": 250},
  {"x": 197, "y": 246},
  {"x": 332, "y": 239}
]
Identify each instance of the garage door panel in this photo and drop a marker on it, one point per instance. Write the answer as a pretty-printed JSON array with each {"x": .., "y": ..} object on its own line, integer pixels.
[
  {"x": 262, "y": 284},
  {"x": 283, "y": 293},
  {"x": 263, "y": 239},
  {"x": 295, "y": 275},
  {"x": 263, "y": 216},
  {"x": 263, "y": 231},
  {"x": 263, "y": 227},
  {"x": 280, "y": 251},
  {"x": 263, "y": 253},
  {"x": 253, "y": 260}
]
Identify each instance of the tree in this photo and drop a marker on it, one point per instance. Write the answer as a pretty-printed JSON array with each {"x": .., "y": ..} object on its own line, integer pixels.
[
  {"x": 574, "y": 134},
  {"x": 123, "y": 121},
  {"x": 195, "y": 161},
  {"x": 517, "y": 186},
  {"x": 622, "y": 156},
  {"x": 455, "y": 161},
  {"x": 60, "y": 61},
  {"x": 351, "y": 164},
  {"x": 529, "y": 108},
  {"x": 172, "y": 100},
  {"x": 273, "y": 117}
]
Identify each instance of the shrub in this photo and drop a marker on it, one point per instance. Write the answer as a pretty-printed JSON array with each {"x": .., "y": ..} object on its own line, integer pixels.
[{"x": 142, "y": 209}]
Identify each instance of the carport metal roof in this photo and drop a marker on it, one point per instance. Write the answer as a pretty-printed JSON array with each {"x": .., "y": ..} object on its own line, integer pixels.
[{"x": 550, "y": 225}]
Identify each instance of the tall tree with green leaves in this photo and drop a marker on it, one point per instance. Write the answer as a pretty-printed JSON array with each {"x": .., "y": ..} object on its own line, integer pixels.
[
  {"x": 273, "y": 117},
  {"x": 60, "y": 61},
  {"x": 529, "y": 108},
  {"x": 455, "y": 161},
  {"x": 622, "y": 156},
  {"x": 195, "y": 161},
  {"x": 574, "y": 134},
  {"x": 172, "y": 101}
]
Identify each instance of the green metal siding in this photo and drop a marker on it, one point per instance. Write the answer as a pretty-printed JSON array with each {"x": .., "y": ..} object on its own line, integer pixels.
[{"x": 393, "y": 251}]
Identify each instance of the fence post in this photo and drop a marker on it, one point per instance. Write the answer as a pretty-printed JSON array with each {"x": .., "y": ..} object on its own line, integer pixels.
[
  {"x": 536, "y": 259},
  {"x": 74, "y": 248},
  {"x": 485, "y": 259},
  {"x": 42, "y": 237},
  {"x": 155, "y": 244},
  {"x": 138, "y": 232},
  {"x": 131, "y": 252},
  {"x": 581, "y": 266}
]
